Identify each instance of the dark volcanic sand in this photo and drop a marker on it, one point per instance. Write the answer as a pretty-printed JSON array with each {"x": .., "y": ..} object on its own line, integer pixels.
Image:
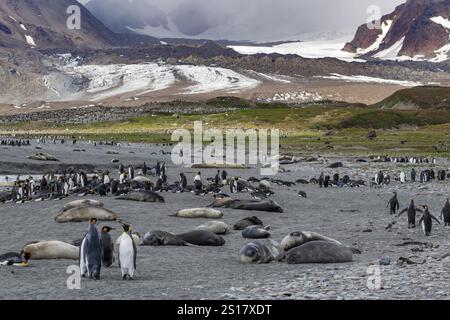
[{"x": 215, "y": 272}]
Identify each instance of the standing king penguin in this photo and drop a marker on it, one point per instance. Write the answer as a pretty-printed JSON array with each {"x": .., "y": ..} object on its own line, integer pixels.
[
  {"x": 393, "y": 204},
  {"x": 91, "y": 252},
  {"x": 108, "y": 247},
  {"x": 127, "y": 253},
  {"x": 412, "y": 211},
  {"x": 427, "y": 221},
  {"x": 445, "y": 213}
]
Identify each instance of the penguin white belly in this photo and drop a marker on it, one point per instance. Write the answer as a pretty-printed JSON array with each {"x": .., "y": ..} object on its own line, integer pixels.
[
  {"x": 423, "y": 228},
  {"x": 126, "y": 256},
  {"x": 83, "y": 260}
]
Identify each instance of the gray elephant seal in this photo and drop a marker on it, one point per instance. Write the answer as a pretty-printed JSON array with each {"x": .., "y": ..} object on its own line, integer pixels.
[
  {"x": 162, "y": 238},
  {"x": 261, "y": 251},
  {"x": 319, "y": 252},
  {"x": 80, "y": 214},
  {"x": 202, "y": 238},
  {"x": 142, "y": 196},
  {"x": 296, "y": 239},
  {"x": 45, "y": 250},
  {"x": 256, "y": 232},
  {"x": 82, "y": 203},
  {"x": 265, "y": 205},
  {"x": 249, "y": 221},
  {"x": 217, "y": 227},
  {"x": 207, "y": 213}
]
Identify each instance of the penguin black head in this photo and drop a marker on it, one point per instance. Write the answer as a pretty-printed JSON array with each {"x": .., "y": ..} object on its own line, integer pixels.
[
  {"x": 425, "y": 207},
  {"x": 126, "y": 227},
  {"x": 107, "y": 229},
  {"x": 93, "y": 220}
]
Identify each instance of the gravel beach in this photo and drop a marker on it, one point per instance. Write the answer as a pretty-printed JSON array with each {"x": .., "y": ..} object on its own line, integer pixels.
[{"x": 356, "y": 217}]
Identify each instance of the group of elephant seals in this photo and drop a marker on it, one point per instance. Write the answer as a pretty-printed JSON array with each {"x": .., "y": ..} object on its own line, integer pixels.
[
  {"x": 45, "y": 250},
  {"x": 246, "y": 222},
  {"x": 256, "y": 232},
  {"x": 319, "y": 252},
  {"x": 261, "y": 251},
  {"x": 202, "y": 238},
  {"x": 82, "y": 203},
  {"x": 80, "y": 214},
  {"x": 298, "y": 238},
  {"x": 207, "y": 213},
  {"x": 142, "y": 196},
  {"x": 217, "y": 227},
  {"x": 162, "y": 238}
]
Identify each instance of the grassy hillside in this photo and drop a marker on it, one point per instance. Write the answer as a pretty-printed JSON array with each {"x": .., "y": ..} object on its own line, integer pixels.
[{"x": 418, "y": 98}]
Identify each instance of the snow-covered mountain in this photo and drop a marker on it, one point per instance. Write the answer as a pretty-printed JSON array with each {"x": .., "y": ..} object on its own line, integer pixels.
[{"x": 415, "y": 30}]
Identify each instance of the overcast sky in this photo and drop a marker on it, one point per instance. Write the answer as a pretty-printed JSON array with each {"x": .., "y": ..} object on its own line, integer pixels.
[{"x": 274, "y": 18}]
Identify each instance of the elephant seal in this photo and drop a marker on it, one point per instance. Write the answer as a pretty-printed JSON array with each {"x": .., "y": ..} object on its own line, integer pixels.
[
  {"x": 202, "y": 238},
  {"x": 217, "y": 227},
  {"x": 265, "y": 205},
  {"x": 261, "y": 251},
  {"x": 143, "y": 196},
  {"x": 249, "y": 221},
  {"x": 319, "y": 252},
  {"x": 256, "y": 232},
  {"x": 225, "y": 202},
  {"x": 200, "y": 213},
  {"x": 80, "y": 214},
  {"x": 82, "y": 203},
  {"x": 141, "y": 179},
  {"x": 162, "y": 238},
  {"x": 298, "y": 238},
  {"x": 46, "y": 250}
]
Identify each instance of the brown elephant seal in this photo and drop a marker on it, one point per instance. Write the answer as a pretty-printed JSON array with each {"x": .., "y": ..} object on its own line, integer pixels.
[
  {"x": 162, "y": 238},
  {"x": 249, "y": 221},
  {"x": 225, "y": 202},
  {"x": 298, "y": 238},
  {"x": 261, "y": 251},
  {"x": 257, "y": 205},
  {"x": 202, "y": 238},
  {"x": 80, "y": 214},
  {"x": 142, "y": 196},
  {"x": 82, "y": 203},
  {"x": 207, "y": 213},
  {"x": 319, "y": 252},
  {"x": 217, "y": 227},
  {"x": 256, "y": 232},
  {"x": 46, "y": 250}
]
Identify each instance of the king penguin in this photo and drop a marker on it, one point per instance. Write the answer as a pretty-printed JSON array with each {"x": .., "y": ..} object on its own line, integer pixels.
[
  {"x": 412, "y": 211},
  {"x": 91, "y": 252},
  {"x": 127, "y": 253},
  {"x": 445, "y": 213},
  {"x": 108, "y": 247},
  {"x": 427, "y": 221}
]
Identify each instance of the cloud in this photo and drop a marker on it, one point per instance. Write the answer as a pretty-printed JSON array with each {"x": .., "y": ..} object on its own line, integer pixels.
[{"x": 242, "y": 19}]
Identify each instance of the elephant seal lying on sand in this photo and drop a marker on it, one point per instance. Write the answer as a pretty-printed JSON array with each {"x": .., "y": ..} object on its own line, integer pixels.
[
  {"x": 79, "y": 214},
  {"x": 202, "y": 238},
  {"x": 207, "y": 213},
  {"x": 296, "y": 239},
  {"x": 249, "y": 221},
  {"x": 46, "y": 250},
  {"x": 162, "y": 238},
  {"x": 256, "y": 232},
  {"x": 83, "y": 203},
  {"x": 257, "y": 205},
  {"x": 143, "y": 196},
  {"x": 217, "y": 227},
  {"x": 319, "y": 252},
  {"x": 261, "y": 251}
]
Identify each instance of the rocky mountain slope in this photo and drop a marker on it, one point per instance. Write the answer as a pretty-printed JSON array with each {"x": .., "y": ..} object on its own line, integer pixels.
[
  {"x": 417, "y": 29},
  {"x": 42, "y": 24}
]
